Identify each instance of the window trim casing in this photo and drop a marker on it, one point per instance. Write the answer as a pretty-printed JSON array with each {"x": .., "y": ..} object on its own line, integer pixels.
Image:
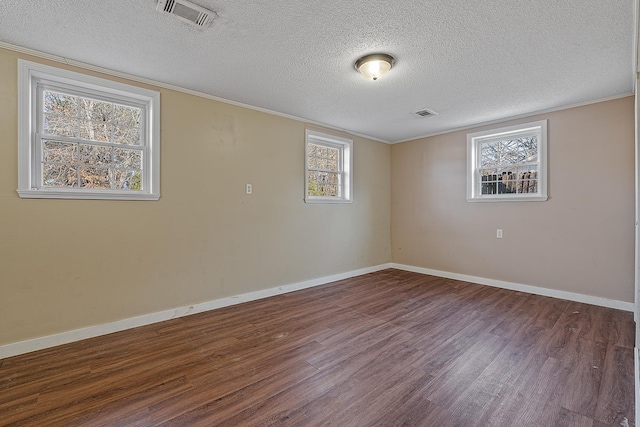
[
  {"x": 346, "y": 146},
  {"x": 29, "y": 74},
  {"x": 473, "y": 178}
]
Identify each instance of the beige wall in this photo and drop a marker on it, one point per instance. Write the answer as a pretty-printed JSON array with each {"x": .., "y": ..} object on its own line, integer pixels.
[
  {"x": 580, "y": 240},
  {"x": 66, "y": 264}
]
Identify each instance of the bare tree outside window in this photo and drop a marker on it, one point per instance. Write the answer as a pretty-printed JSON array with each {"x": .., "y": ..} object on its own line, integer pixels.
[
  {"x": 115, "y": 162},
  {"x": 508, "y": 163},
  {"x": 323, "y": 169},
  {"x": 328, "y": 168},
  {"x": 509, "y": 166}
]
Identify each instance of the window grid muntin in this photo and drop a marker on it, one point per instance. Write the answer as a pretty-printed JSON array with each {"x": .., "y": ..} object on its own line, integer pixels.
[
  {"x": 496, "y": 183},
  {"x": 339, "y": 171},
  {"x": 525, "y": 132},
  {"x": 94, "y": 95},
  {"x": 502, "y": 185},
  {"x": 501, "y": 142},
  {"x": 346, "y": 162},
  {"x": 82, "y": 163},
  {"x": 29, "y": 74},
  {"x": 337, "y": 148}
]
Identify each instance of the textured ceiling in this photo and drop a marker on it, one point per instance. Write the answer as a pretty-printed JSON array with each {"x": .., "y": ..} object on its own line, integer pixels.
[{"x": 470, "y": 61}]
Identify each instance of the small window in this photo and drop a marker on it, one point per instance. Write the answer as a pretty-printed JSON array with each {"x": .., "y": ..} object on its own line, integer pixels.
[
  {"x": 508, "y": 164},
  {"x": 82, "y": 137},
  {"x": 328, "y": 168}
]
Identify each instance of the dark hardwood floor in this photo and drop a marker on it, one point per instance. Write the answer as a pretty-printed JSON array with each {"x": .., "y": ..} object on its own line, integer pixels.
[{"x": 390, "y": 348}]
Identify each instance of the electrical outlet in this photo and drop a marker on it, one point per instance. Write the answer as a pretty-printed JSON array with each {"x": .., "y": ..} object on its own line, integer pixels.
[
  {"x": 249, "y": 189},
  {"x": 499, "y": 233}
]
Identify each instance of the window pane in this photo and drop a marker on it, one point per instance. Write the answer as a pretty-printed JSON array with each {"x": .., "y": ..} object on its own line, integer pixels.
[
  {"x": 59, "y": 176},
  {"x": 313, "y": 150},
  {"x": 98, "y": 121},
  {"x": 60, "y": 104},
  {"x": 528, "y": 148},
  {"x": 527, "y": 180},
  {"x": 59, "y": 152},
  {"x": 126, "y": 179},
  {"x": 128, "y": 117},
  {"x": 332, "y": 163},
  {"x": 489, "y": 180},
  {"x": 332, "y": 178},
  {"x": 324, "y": 183},
  {"x": 489, "y": 154},
  {"x": 509, "y": 152},
  {"x": 330, "y": 190},
  {"x": 325, "y": 177},
  {"x": 332, "y": 153},
  {"x": 322, "y": 157},
  {"x": 126, "y": 135},
  {"x": 312, "y": 181},
  {"x": 95, "y": 154},
  {"x": 127, "y": 159},
  {"x": 312, "y": 162},
  {"x": 507, "y": 181},
  {"x": 58, "y": 125},
  {"x": 96, "y": 111},
  {"x": 322, "y": 163},
  {"x": 95, "y": 131},
  {"x": 532, "y": 187},
  {"x": 94, "y": 178}
]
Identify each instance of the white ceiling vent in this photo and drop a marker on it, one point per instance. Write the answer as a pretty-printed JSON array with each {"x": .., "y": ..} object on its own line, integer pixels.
[
  {"x": 187, "y": 12},
  {"x": 425, "y": 112}
]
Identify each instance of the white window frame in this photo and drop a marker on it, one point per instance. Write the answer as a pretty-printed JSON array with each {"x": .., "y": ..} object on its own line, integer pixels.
[
  {"x": 474, "y": 183},
  {"x": 31, "y": 76},
  {"x": 346, "y": 163}
]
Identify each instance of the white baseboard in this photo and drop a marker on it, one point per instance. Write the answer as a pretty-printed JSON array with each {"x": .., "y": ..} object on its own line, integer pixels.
[
  {"x": 40, "y": 343},
  {"x": 588, "y": 299}
]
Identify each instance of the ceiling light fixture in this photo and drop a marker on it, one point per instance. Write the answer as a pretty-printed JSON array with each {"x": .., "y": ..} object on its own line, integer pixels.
[{"x": 374, "y": 66}]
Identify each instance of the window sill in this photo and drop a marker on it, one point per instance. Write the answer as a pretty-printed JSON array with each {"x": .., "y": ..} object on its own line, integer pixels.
[
  {"x": 85, "y": 195},
  {"x": 508, "y": 198},
  {"x": 327, "y": 200}
]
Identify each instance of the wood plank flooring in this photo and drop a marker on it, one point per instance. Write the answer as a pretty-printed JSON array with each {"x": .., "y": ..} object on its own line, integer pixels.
[{"x": 390, "y": 348}]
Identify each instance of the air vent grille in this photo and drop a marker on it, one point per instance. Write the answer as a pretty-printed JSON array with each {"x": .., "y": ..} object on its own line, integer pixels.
[
  {"x": 425, "y": 112},
  {"x": 187, "y": 12},
  {"x": 168, "y": 6}
]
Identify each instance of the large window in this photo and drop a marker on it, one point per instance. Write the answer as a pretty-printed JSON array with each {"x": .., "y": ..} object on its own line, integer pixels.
[
  {"x": 82, "y": 137},
  {"x": 508, "y": 164},
  {"x": 327, "y": 168}
]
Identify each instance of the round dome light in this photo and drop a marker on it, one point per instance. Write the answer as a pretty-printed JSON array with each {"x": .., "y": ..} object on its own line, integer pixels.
[{"x": 375, "y": 66}]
